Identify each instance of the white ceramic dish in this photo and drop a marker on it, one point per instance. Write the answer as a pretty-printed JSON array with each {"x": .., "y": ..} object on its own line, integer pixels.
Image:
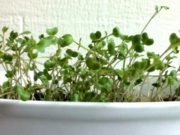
[{"x": 67, "y": 118}]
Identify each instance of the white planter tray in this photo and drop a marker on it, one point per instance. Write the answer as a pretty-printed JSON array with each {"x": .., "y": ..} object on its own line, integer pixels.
[{"x": 68, "y": 118}]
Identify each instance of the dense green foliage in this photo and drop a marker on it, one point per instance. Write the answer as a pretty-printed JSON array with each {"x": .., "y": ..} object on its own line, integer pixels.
[{"x": 109, "y": 69}]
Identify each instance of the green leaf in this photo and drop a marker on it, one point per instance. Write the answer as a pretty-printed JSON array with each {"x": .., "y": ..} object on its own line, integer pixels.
[
  {"x": 49, "y": 64},
  {"x": 75, "y": 97},
  {"x": 23, "y": 94},
  {"x": 83, "y": 71},
  {"x": 151, "y": 69},
  {"x": 158, "y": 63},
  {"x": 63, "y": 91},
  {"x": 140, "y": 65},
  {"x": 37, "y": 75},
  {"x": 10, "y": 74},
  {"x": 171, "y": 81},
  {"x": 119, "y": 73},
  {"x": 136, "y": 43},
  {"x": 71, "y": 53},
  {"x": 98, "y": 34},
  {"x": 136, "y": 39},
  {"x": 32, "y": 55},
  {"x": 152, "y": 55},
  {"x": 116, "y": 32},
  {"x": 146, "y": 40},
  {"x": 103, "y": 80},
  {"x": 175, "y": 50},
  {"x": 7, "y": 57},
  {"x": 44, "y": 80},
  {"x": 43, "y": 43},
  {"x": 137, "y": 65},
  {"x": 173, "y": 74},
  {"x": 144, "y": 64},
  {"x": 4, "y": 29},
  {"x": 111, "y": 47},
  {"x": 174, "y": 38},
  {"x": 168, "y": 57},
  {"x": 139, "y": 48},
  {"x": 157, "y": 9},
  {"x": 89, "y": 62},
  {"x": 138, "y": 81},
  {"x": 52, "y": 31},
  {"x": 95, "y": 66},
  {"x": 105, "y": 84},
  {"x": 126, "y": 38},
  {"x": 25, "y": 33},
  {"x": 123, "y": 48},
  {"x": 156, "y": 85},
  {"x": 66, "y": 40},
  {"x": 89, "y": 95},
  {"x": 93, "y": 36},
  {"x": 74, "y": 54},
  {"x": 49, "y": 77},
  {"x": 31, "y": 44},
  {"x": 106, "y": 71},
  {"x": 13, "y": 35},
  {"x": 6, "y": 85},
  {"x": 165, "y": 7}
]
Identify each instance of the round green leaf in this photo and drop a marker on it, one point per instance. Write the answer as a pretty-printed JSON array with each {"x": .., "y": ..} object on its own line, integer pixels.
[
  {"x": 136, "y": 40},
  {"x": 138, "y": 81},
  {"x": 136, "y": 43},
  {"x": 6, "y": 85},
  {"x": 74, "y": 54},
  {"x": 103, "y": 80},
  {"x": 67, "y": 40},
  {"x": 93, "y": 36},
  {"x": 144, "y": 37},
  {"x": 4, "y": 29},
  {"x": 25, "y": 32},
  {"x": 116, "y": 32},
  {"x": 165, "y": 7},
  {"x": 146, "y": 40},
  {"x": 174, "y": 38},
  {"x": 23, "y": 94},
  {"x": 144, "y": 64},
  {"x": 13, "y": 35},
  {"x": 49, "y": 77},
  {"x": 7, "y": 57},
  {"x": 111, "y": 47},
  {"x": 49, "y": 64},
  {"x": 137, "y": 65},
  {"x": 9, "y": 73},
  {"x": 95, "y": 66},
  {"x": 52, "y": 31},
  {"x": 173, "y": 74},
  {"x": 32, "y": 55},
  {"x": 43, "y": 43},
  {"x": 44, "y": 80},
  {"x": 98, "y": 34},
  {"x": 75, "y": 97},
  {"x": 89, "y": 62},
  {"x": 149, "y": 42},
  {"x": 151, "y": 69},
  {"x": 69, "y": 51},
  {"x": 138, "y": 48}
]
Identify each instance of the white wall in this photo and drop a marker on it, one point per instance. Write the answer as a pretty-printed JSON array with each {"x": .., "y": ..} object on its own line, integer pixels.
[{"x": 81, "y": 17}]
